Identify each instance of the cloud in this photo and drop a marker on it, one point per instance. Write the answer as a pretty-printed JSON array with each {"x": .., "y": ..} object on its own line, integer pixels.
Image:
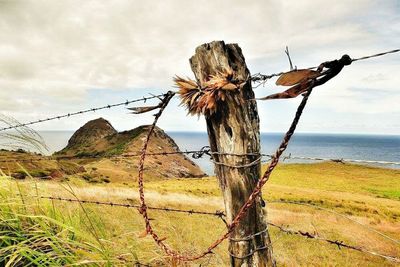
[{"x": 53, "y": 54}]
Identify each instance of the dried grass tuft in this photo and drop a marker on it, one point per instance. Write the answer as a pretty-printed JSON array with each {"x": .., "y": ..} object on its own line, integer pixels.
[{"x": 205, "y": 100}]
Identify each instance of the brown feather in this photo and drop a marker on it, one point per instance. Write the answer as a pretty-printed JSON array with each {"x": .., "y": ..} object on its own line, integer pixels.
[
  {"x": 140, "y": 110},
  {"x": 296, "y": 76},
  {"x": 290, "y": 93}
]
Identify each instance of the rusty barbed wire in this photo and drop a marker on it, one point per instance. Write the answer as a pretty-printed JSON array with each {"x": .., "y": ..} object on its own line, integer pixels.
[
  {"x": 221, "y": 214},
  {"x": 245, "y": 207},
  {"x": 217, "y": 213},
  {"x": 143, "y": 206},
  {"x": 274, "y": 161},
  {"x": 127, "y": 102},
  {"x": 256, "y": 191}
]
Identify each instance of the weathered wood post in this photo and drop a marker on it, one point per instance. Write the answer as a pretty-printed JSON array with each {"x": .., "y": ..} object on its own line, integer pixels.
[{"x": 234, "y": 128}]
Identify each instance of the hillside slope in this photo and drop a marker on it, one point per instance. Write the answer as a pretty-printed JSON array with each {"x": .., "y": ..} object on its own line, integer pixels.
[
  {"x": 113, "y": 155},
  {"x": 96, "y": 152}
]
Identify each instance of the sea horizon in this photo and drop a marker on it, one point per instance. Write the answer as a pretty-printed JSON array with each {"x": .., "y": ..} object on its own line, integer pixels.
[
  {"x": 274, "y": 132},
  {"x": 375, "y": 147}
]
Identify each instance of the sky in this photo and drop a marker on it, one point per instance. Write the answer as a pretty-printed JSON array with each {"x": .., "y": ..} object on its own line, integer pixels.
[{"x": 61, "y": 56}]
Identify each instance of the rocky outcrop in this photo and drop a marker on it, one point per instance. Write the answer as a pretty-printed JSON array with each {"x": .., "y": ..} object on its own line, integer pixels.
[
  {"x": 98, "y": 144},
  {"x": 90, "y": 133}
]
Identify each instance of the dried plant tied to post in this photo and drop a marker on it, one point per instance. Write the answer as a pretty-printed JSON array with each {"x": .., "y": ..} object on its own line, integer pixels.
[{"x": 205, "y": 100}]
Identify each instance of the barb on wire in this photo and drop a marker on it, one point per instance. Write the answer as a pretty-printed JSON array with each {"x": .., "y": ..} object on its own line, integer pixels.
[
  {"x": 262, "y": 78},
  {"x": 205, "y": 150},
  {"x": 126, "y": 205},
  {"x": 127, "y": 102}
]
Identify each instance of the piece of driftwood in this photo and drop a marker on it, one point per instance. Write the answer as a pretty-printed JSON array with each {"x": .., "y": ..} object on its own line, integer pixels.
[{"x": 234, "y": 128}]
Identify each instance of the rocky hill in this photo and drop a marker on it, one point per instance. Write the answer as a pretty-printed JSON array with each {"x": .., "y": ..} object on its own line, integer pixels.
[
  {"x": 90, "y": 133},
  {"x": 96, "y": 152},
  {"x": 99, "y": 146}
]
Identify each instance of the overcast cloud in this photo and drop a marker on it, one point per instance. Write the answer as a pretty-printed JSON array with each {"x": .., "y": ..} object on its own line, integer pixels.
[{"x": 59, "y": 56}]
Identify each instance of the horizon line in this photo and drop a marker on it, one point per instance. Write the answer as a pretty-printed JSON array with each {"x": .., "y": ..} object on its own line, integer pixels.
[{"x": 272, "y": 132}]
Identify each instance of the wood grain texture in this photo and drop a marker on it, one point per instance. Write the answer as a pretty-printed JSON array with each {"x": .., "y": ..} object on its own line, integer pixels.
[{"x": 234, "y": 128}]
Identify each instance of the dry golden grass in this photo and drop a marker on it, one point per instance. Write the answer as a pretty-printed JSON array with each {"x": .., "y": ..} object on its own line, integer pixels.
[{"x": 371, "y": 200}]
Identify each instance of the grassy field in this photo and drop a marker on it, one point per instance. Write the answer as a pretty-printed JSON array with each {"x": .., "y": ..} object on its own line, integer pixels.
[{"x": 54, "y": 233}]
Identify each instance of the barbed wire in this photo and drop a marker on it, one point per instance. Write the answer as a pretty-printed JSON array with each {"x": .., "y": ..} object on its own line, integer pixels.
[
  {"x": 369, "y": 228},
  {"x": 341, "y": 160},
  {"x": 143, "y": 207},
  {"x": 258, "y": 77},
  {"x": 216, "y": 213},
  {"x": 253, "y": 251},
  {"x": 339, "y": 244},
  {"x": 249, "y": 237},
  {"x": 250, "y": 201},
  {"x": 262, "y": 78},
  {"x": 221, "y": 215},
  {"x": 125, "y": 103},
  {"x": 376, "y": 55},
  {"x": 196, "y": 154},
  {"x": 274, "y": 161}
]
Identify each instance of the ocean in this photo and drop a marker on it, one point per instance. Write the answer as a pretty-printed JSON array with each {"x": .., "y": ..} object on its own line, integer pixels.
[{"x": 336, "y": 146}]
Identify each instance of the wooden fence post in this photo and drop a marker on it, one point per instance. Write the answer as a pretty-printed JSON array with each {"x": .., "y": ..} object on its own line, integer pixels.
[{"x": 234, "y": 128}]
